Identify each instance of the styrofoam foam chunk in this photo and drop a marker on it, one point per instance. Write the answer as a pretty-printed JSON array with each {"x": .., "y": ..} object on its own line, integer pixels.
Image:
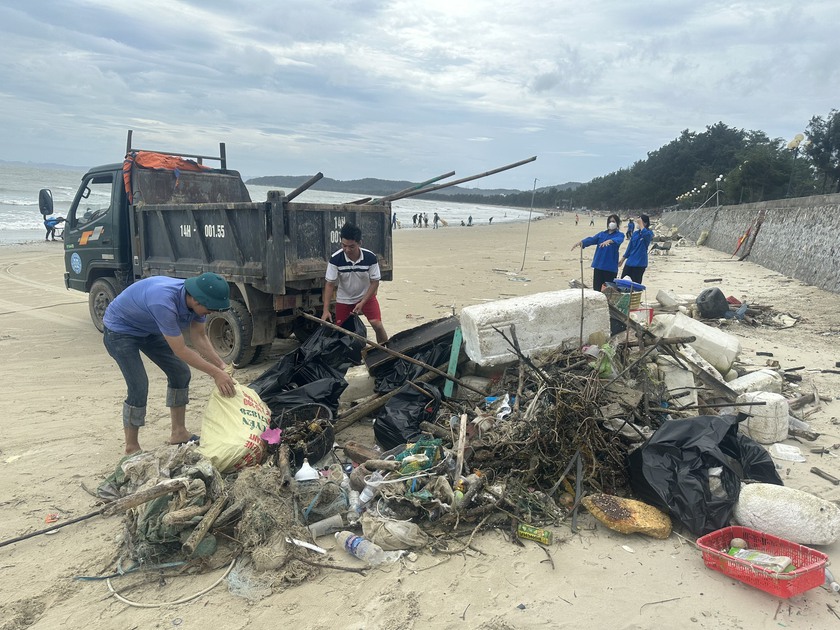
[
  {"x": 798, "y": 516},
  {"x": 543, "y": 321},
  {"x": 763, "y": 380},
  {"x": 717, "y": 347},
  {"x": 767, "y": 423}
]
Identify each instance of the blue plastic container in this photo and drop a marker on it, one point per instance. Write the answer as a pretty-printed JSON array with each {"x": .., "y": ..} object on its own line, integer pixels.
[{"x": 628, "y": 285}]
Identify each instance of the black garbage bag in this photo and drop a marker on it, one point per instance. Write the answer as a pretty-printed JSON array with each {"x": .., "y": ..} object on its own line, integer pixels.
[
  {"x": 712, "y": 303},
  {"x": 671, "y": 470},
  {"x": 335, "y": 349},
  {"x": 293, "y": 381},
  {"x": 397, "y": 373},
  {"x": 399, "y": 420}
]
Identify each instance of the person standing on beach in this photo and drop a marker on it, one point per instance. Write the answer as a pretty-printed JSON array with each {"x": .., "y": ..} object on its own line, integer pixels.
[
  {"x": 469, "y": 221},
  {"x": 605, "y": 261},
  {"x": 394, "y": 221},
  {"x": 630, "y": 225},
  {"x": 426, "y": 219},
  {"x": 577, "y": 218},
  {"x": 491, "y": 221},
  {"x": 591, "y": 218},
  {"x": 435, "y": 221},
  {"x": 149, "y": 317},
  {"x": 353, "y": 277},
  {"x": 414, "y": 220},
  {"x": 635, "y": 259}
]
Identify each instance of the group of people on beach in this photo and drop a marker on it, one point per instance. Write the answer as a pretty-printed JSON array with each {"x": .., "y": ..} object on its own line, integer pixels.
[
  {"x": 606, "y": 264},
  {"x": 421, "y": 219}
]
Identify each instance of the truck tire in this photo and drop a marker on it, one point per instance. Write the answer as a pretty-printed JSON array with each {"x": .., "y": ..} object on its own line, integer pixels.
[
  {"x": 102, "y": 293},
  {"x": 230, "y": 334},
  {"x": 261, "y": 353}
]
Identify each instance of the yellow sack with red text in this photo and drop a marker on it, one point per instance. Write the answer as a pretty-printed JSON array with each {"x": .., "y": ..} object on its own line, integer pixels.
[{"x": 231, "y": 429}]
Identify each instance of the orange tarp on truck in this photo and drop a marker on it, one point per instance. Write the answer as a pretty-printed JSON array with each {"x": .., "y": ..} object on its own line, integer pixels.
[{"x": 159, "y": 161}]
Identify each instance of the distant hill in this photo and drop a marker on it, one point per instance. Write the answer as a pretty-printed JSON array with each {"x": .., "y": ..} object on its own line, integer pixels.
[{"x": 382, "y": 187}]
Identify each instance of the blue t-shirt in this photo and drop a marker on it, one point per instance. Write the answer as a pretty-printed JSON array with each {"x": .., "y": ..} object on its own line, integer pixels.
[
  {"x": 152, "y": 306},
  {"x": 605, "y": 258},
  {"x": 637, "y": 250}
]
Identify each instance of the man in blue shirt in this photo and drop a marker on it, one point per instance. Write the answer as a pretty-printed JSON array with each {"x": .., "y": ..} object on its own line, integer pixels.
[{"x": 149, "y": 317}]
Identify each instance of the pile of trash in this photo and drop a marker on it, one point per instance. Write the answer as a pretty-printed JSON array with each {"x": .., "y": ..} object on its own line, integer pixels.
[{"x": 542, "y": 414}]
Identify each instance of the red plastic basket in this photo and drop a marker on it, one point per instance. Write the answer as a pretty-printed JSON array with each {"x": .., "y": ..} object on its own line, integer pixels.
[{"x": 810, "y": 564}]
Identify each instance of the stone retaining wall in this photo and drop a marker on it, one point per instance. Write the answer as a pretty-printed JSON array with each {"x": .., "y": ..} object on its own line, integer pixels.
[{"x": 798, "y": 237}]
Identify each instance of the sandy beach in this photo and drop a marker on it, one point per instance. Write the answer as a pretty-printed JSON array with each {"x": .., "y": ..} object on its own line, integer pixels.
[{"x": 61, "y": 428}]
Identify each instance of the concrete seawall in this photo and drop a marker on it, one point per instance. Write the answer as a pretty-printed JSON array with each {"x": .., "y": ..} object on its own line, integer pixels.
[{"x": 798, "y": 237}]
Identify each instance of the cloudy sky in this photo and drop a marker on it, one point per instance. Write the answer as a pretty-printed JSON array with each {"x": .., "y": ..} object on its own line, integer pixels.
[{"x": 403, "y": 89}]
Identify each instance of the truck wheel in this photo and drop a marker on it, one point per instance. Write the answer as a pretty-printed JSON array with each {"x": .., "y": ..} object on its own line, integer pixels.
[
  {"x": 261, "y": 353},
  {"x": 230, "y": 333},
  {"x": 102, "y": 293}
]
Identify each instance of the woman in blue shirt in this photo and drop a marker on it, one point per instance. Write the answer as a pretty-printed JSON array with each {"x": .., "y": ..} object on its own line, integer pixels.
[
  {"x": 635, "y": 259},
  {"x": 605, "y": 261}
]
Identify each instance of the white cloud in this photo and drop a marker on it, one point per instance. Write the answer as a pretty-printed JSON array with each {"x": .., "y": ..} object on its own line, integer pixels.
[{"x": 403, "y": 89}]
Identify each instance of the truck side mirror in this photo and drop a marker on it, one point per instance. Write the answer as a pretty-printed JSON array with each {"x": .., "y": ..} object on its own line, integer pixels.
[{"x": 45, "y": 201}]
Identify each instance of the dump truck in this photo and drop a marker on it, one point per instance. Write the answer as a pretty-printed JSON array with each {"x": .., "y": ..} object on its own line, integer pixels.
[{"x": 161, "y": 213}]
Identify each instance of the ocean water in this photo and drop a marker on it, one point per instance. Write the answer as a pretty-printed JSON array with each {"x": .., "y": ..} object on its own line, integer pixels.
[{"x": 21, "y": 222}]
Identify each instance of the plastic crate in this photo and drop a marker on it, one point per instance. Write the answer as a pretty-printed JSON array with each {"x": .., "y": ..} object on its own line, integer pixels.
[{"x": 810, "y": 564}]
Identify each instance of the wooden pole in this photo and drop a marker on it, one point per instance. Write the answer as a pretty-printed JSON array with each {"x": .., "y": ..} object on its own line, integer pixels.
[
  {"x": 204, "y": 526},
  {"x": 462, "y": 444},
  {"x": 399, "y": 194},
  {"x": 394, "y": 353},
  {"x": 304, "y": 186},
  {"x": 120, "y": 505},
  {"x": 367, "y": 408},
  {"x": 465, "y": 179}
]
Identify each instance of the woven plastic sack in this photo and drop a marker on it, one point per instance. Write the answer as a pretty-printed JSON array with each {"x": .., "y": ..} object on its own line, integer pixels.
[{"x": 231, "y": 429}]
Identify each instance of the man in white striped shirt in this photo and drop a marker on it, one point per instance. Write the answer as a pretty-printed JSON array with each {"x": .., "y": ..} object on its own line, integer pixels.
[{"x": 353, "y": 278}]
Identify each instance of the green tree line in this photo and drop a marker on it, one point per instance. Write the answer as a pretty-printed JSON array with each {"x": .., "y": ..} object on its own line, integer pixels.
[{"x": 721, "y": 165}]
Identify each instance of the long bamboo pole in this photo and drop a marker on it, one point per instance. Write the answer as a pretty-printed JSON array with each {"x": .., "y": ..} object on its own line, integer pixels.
[
  {"x": 381, "y": 200},
  {"x": 465, "y": 179},
  {"x": 394, "y": 353}
]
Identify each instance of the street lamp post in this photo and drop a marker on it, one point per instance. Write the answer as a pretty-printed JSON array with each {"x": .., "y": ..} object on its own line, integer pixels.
[{"x": 793, "y": 145}]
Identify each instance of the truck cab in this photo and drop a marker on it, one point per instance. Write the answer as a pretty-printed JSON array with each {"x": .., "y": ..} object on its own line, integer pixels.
[{"x": 96, "y": 239}]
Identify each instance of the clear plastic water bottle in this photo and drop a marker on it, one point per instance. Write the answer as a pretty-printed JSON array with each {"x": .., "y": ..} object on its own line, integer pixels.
[
  {"x": 362, "y": 548},
  {"x": 354, "y": 507}
]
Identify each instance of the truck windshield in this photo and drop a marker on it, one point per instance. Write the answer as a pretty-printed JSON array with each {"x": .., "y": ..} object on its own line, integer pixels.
[{"x": 94, "y": 200}]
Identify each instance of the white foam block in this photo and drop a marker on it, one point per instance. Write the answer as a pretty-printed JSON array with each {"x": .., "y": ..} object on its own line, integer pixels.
[
  {"x": 543, "y": 321},
  {"x": 798, "y": 516}
]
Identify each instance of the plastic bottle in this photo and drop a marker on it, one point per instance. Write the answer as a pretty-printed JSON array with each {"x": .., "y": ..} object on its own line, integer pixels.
[
  {"x": 773, "y": 564},
  {"x": 371, "y": 488},
  {"x": 361, "y": 547},
  {"x": 354, "y": 507},
  {"x": 830, "y": 582}
]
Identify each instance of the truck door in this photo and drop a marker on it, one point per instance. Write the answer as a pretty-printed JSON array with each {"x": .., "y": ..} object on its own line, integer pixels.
[{"x": 91, "y": 235}]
